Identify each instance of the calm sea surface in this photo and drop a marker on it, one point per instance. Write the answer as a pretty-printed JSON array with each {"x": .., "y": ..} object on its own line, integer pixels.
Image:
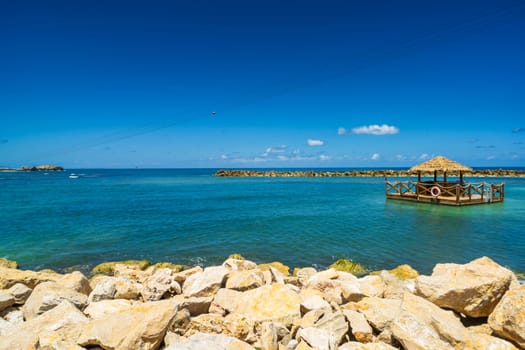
[{"x": 48, "y": 220}]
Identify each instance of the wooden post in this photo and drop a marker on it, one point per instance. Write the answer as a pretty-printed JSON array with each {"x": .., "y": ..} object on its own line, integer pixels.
[
  {"x": 461, "y": 177},
  {"x": 457, "y": 193},
  {"x": 418, "y": 181},
  {"x": 435, "y": 176},
  {"x": 445, "y": 176}
]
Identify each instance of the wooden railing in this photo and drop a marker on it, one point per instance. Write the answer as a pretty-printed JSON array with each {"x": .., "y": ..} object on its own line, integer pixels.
[
  {"x": 479, "y": 192},
  {"x": 400, "y": 187}
]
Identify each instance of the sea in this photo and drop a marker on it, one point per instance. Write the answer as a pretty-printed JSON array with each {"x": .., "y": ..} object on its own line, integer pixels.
[{"x": 188, "y": 216}]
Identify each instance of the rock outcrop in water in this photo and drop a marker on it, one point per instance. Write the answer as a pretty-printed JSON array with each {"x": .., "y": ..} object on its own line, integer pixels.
[
  {"x": 242, "y": 305},
  {"x": 360, "y": 173},
  {"x": 34, "y": 168}
]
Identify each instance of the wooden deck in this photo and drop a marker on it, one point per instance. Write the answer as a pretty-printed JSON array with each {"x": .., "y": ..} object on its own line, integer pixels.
[{"x": 445, "y": 193}]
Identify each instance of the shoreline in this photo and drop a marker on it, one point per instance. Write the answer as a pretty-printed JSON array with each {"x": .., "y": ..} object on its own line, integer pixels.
[
  {"x": 247, "y": 306},
  {"x": 361, "y": 173}
]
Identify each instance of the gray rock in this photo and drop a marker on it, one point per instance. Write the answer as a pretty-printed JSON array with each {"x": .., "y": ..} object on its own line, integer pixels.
[
  {"x": 205, "y": 283},
  {"x": 48, "y": 295},
  {"x": 159, "y": 285},
  {"x": 106, "y": 288},
  {"x": 6, "y": 300},
  {"x": 203, "y": 341},
  {"x": 20, "y": 292}
]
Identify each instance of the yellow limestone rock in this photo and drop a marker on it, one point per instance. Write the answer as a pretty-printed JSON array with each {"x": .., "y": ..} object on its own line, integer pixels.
[
  {"x": 245, "y": 279},
  {"x": 65, "y": 319},
  {"x": 239, "y": 264},
  {"x": 48, "y": 295},
  {"x": 203, "y": 341},
  {"x": 10, "y": 277},
  {"x": 108, "y": 268},
  {"x": 285, "y": 270},
  {"x": 76, "y": 281},
  {"x": 8, "y": 263},
  {"x": 479, "y": 341},
  {"x": 378, "y": 312},
  {"x": 205, "y": 283},
  {"x": 423, "y": 325},
  {"x": 473, "y": 289},
  {"x": 508, "y": 318},
  {"x": 276, "y": 302},
  {"x": 367, "y": 346},
  {"x": 141, "y": 327}
]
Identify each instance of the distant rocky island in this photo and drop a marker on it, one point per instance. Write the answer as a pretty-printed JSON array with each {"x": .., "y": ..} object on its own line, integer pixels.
[
  {"x": 361, "y": 173},
  {"x": 34, "y": 168}
]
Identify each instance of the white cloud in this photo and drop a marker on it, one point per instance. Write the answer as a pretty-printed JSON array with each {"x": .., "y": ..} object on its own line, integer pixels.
[
  {"x": 341, "y": 131},
  {"x": 400, "y": 157},
  {"x": 423, "y": 156},
  {"x": 323, "y": 157},
  {"x": 315, "y": 142},
  {"x": 376, "y": 130},
  {"x": 274, "y": 150},
  {"x": 375, "y": 156},
  {"x": 224, "y": 157}
]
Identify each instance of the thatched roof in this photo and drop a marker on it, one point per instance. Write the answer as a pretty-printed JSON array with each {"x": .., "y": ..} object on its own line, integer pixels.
[{"x": 440, "y": 163}]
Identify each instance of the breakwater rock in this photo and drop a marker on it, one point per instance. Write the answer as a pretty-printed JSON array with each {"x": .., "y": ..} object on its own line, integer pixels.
[
  {"x": 42, "y": 168},
  {"x": 242, "y": 305},
  {"x": 34, "y": 168},
  {"x": 361, "y": 173}
]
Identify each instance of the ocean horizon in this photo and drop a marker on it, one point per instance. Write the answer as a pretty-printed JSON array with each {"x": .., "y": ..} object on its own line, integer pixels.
[{"x": 188, "y": 216}]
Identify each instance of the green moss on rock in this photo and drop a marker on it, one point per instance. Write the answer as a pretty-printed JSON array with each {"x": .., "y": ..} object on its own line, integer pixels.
[
  {"x": 346, "y": 265},
  {"x": 285, "y": 270},
  {"x": 8, "y": 263},
  {"x": 174, "y": 267},
  {"x": 236, "y": 256},
  {"x": 48, "y": 271},
  {"x": 403, "y": 272},
  {"x": 108, "y": 268}
]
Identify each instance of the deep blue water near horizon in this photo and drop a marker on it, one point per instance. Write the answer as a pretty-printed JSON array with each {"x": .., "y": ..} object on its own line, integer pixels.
[{"x": 188, "y": 216}]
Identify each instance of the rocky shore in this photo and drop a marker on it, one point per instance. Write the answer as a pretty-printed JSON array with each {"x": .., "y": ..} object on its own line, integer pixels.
[
  {"x": 361, "y": 173},
  {"x": 34, "y": 168},
  {"x": 242, "y": 305}
]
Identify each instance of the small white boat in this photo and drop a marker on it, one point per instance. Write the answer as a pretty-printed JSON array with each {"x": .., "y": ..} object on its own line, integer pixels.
[{"x": 73, "y": 176}]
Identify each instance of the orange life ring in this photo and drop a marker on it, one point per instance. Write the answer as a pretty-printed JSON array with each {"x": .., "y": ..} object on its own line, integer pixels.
[{"x": 435, "y": 191}]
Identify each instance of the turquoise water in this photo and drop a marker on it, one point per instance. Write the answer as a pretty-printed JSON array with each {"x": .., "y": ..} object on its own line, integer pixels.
[{"x": 191, "y": 217}]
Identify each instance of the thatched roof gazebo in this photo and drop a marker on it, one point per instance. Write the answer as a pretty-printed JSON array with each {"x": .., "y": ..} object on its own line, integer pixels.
[
  {"x": 443, "y": 192},
  {"x": 440, "y": 164}
]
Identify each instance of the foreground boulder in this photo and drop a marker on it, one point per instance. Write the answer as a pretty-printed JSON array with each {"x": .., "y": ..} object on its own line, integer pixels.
[
  {"x": 10, "y": 277},
  {"x": 8, "y": 263},
  {"x": 205, "y": 283},
  {"x": 203, "y": 341},
  {"x": 473, "y": 289},
  {"x": 47, "y": 295},
  {"x": 139, "y": 327},
  {"x": 64, "y": 321},
  {"x": 272, "y": 303},
  {"x": 508, "y": 318},
  {"x": 423, "y": 325}
]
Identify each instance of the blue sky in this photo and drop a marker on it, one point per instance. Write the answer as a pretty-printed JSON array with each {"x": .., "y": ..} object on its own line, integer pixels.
[{"x": 292, "y": 83}]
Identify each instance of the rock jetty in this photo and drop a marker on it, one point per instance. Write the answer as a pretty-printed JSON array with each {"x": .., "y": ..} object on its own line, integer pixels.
[
  {"x": 34, "y": 168},
  {"x": 241, "y": 305},
  {"x": 360, "y": 173}
]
